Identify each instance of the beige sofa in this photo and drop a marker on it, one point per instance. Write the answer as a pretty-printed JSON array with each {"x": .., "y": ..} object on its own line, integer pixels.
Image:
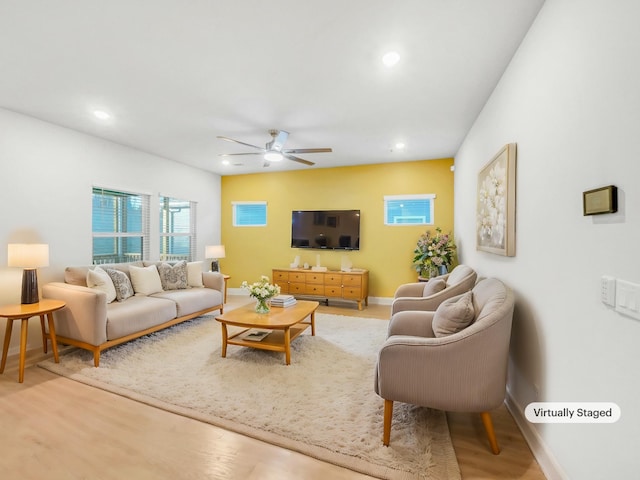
[{"x": 94, "y": 320}]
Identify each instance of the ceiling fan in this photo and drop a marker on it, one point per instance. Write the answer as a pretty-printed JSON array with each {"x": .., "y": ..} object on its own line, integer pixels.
[{"x": 273, "y": 151}]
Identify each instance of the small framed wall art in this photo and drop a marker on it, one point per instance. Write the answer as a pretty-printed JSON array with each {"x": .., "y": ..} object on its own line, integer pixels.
[
  {"x": 600, "y": 200},
  {"x": 496, "y": 204}
]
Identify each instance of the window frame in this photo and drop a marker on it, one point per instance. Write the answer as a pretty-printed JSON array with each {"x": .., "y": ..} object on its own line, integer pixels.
[
  {"x": 430, "y": 197},
  {"x": 118, "y": 236},
  {"x": 166, "y": 236},
  {"x": 237, "y": 204}
]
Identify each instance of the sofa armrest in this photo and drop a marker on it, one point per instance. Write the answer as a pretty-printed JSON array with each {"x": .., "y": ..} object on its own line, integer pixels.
[
  {"x": 410, "y": 290},
  {"x": 214, "y": 280},
  {"x": 84, "y": 318},
  {"x": 412, "y": 323}
]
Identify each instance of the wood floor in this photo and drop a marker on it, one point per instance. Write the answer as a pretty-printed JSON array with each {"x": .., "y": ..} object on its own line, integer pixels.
[{"x": 54, "y": 428}]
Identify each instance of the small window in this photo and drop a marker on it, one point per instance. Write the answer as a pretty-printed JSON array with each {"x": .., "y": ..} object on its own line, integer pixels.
[
  {"x": 177, "y": 229},
  {"x": 249, "y": 214},
  {"x": 120, "y": 226},
  {"x": 409, "y": 209}
]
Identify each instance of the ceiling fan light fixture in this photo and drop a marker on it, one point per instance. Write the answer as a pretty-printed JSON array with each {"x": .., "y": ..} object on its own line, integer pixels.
[{"x": 273, "y": 156}]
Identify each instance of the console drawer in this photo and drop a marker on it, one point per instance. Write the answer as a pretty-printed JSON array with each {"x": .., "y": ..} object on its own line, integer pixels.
[
  {"x": 332, "y": 279},
  {"x": 280, "y": 277},
  {"x": 296, "y": 288},
  {"x": 333, "y": 291},
  {"x": 313, "y": 289},
  {"x": 314, "y": 277},
  {"x": 352, "y": 280},
  {"x": 297, "y": 277},
  {"x": 351, "y": 292}
]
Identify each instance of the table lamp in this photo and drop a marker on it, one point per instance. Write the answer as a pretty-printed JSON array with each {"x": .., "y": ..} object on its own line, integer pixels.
[
  {"x": 28, "y": 256},
  {"x": 214, "y": 252}
]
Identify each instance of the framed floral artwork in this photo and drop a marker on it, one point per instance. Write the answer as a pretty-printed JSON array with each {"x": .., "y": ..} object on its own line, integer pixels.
[{"x": 496, "y": 204}]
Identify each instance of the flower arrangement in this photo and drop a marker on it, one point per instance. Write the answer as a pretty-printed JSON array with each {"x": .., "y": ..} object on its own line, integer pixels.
[
  {"x": 262, "y": 291},
  {"x": 433, "y": 251}
]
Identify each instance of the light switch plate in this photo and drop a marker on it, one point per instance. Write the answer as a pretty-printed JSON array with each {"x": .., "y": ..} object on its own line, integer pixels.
[
  {"x": 608, "y": 290},
  {"x": 628, "y": 298}
]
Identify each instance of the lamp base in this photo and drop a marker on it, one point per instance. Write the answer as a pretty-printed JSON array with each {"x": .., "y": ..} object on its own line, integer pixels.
[
  {"x": 215, "y": 266},
  {"x": 30, "y": 286}
]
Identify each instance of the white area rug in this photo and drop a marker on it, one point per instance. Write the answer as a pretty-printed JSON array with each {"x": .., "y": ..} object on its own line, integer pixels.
[{"x": 322, "y": 405}]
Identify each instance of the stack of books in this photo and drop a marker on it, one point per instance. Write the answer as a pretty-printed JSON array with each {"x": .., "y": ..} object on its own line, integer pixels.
[{"x": 283, "y": 301}]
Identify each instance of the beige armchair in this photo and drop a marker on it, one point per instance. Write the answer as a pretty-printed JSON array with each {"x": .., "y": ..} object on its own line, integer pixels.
[
  {"x": 464, "y": 371},
  {"x": 411, "y": 296}
]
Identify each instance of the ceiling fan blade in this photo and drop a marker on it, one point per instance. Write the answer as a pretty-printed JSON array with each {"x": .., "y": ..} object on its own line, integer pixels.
[
  {"x": 235, "y": 154},
  {"x": 308, "y": 150},
  {"x": 238, "y": 141},
  {"x": 279, "y": 140},
  {"x": 299, "y": 160}
]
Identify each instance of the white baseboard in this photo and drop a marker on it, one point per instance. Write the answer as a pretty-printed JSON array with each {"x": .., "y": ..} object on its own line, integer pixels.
[{"x": 543, "y": 455}]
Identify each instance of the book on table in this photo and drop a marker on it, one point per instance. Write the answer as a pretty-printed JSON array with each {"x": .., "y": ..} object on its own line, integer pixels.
[
  {"x": 283, "y": 301},
  {"x": 256, "y": 334}
]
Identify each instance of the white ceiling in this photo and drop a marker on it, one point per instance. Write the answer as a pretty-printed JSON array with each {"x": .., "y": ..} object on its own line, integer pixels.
[{"x": 175, "y": 74}]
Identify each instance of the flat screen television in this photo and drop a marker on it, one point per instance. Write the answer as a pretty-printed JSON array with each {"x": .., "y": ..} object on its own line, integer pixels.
[{"x": 326, "y": 229}]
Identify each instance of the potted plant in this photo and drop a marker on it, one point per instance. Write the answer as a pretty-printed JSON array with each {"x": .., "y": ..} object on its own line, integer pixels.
[{"x": 433, "y": 254}]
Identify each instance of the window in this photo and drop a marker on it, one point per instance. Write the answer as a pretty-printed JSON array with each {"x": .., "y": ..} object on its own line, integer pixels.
[
  {"x": 408, "y": 209},
  {"x": 177, "y": 229},
  {"x": 120, "y": 226},
  {"x": 249, "y": 214}
]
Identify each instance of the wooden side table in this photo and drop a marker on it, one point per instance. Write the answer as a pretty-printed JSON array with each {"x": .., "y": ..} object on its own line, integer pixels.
[
  {"x": 226, "y": 278},
  {"x": 24, "y": 312}
]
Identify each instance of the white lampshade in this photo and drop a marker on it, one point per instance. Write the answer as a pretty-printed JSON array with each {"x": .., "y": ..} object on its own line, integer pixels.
[
  {"x": 28, "y": 255},
  {"x": 214, "y": 251}
]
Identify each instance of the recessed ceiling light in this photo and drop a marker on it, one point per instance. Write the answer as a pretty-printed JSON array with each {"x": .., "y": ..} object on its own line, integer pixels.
[
  {"x": 390, "y": 58},
  {"x": 400, "y": 146},
  {"x": 101, "y": 114},
  {"x": 225, "y": 162}
]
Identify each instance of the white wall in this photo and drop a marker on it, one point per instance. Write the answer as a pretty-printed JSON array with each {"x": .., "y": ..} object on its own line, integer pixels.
[
  {"x": 571, "y": 101},
  {"x": 46, "y": 176}
]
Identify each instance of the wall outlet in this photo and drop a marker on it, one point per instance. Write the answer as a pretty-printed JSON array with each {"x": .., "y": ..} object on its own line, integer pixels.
[{"x": 608, "y": 290}]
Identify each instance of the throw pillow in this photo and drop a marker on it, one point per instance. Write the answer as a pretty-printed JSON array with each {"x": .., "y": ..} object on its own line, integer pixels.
[
  {"x": 453, "y": 315},
  {"x": 122, "y": 284},
  {"x": 194, "y": 274},
  {"x": 173, "y": 277},
  {"x": 100, "y": 280},
  {"x": 434, "y": 285},
  {"x": 145, "y": 280}
]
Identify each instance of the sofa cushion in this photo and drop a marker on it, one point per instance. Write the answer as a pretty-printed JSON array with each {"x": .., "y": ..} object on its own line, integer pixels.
[
  {"x": 137, "y": 314},
  {"x": 121, "y": 282},
  {"x": 194, "y": 274},
  {"x": 173, "y": 277},
  {"x": 100, "y": 280},
  {"x": 453, "y": 315},
  {"x": 192, "y": 300},
  {"x": 434, "y": 285},
  {"x": 145, "y": 280},
  {"x": 78, "y": 275}
]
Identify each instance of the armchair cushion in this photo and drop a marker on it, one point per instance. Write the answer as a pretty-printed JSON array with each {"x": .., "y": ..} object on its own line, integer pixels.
[
  {"x": 434, "y": 285},
  {"x": 453, "y": 315}
]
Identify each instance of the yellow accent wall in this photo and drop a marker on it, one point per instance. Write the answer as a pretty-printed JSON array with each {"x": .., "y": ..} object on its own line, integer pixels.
[{"x": 386, "y": 251}]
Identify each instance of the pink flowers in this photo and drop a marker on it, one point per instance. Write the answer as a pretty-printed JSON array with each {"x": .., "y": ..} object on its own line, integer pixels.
[{"x": 433, "y": 251}]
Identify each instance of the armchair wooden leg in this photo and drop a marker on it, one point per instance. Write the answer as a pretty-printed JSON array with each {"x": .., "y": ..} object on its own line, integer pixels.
[
  {"x": 488, "y": 426},
  {"x": 388, "y": 413}
]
